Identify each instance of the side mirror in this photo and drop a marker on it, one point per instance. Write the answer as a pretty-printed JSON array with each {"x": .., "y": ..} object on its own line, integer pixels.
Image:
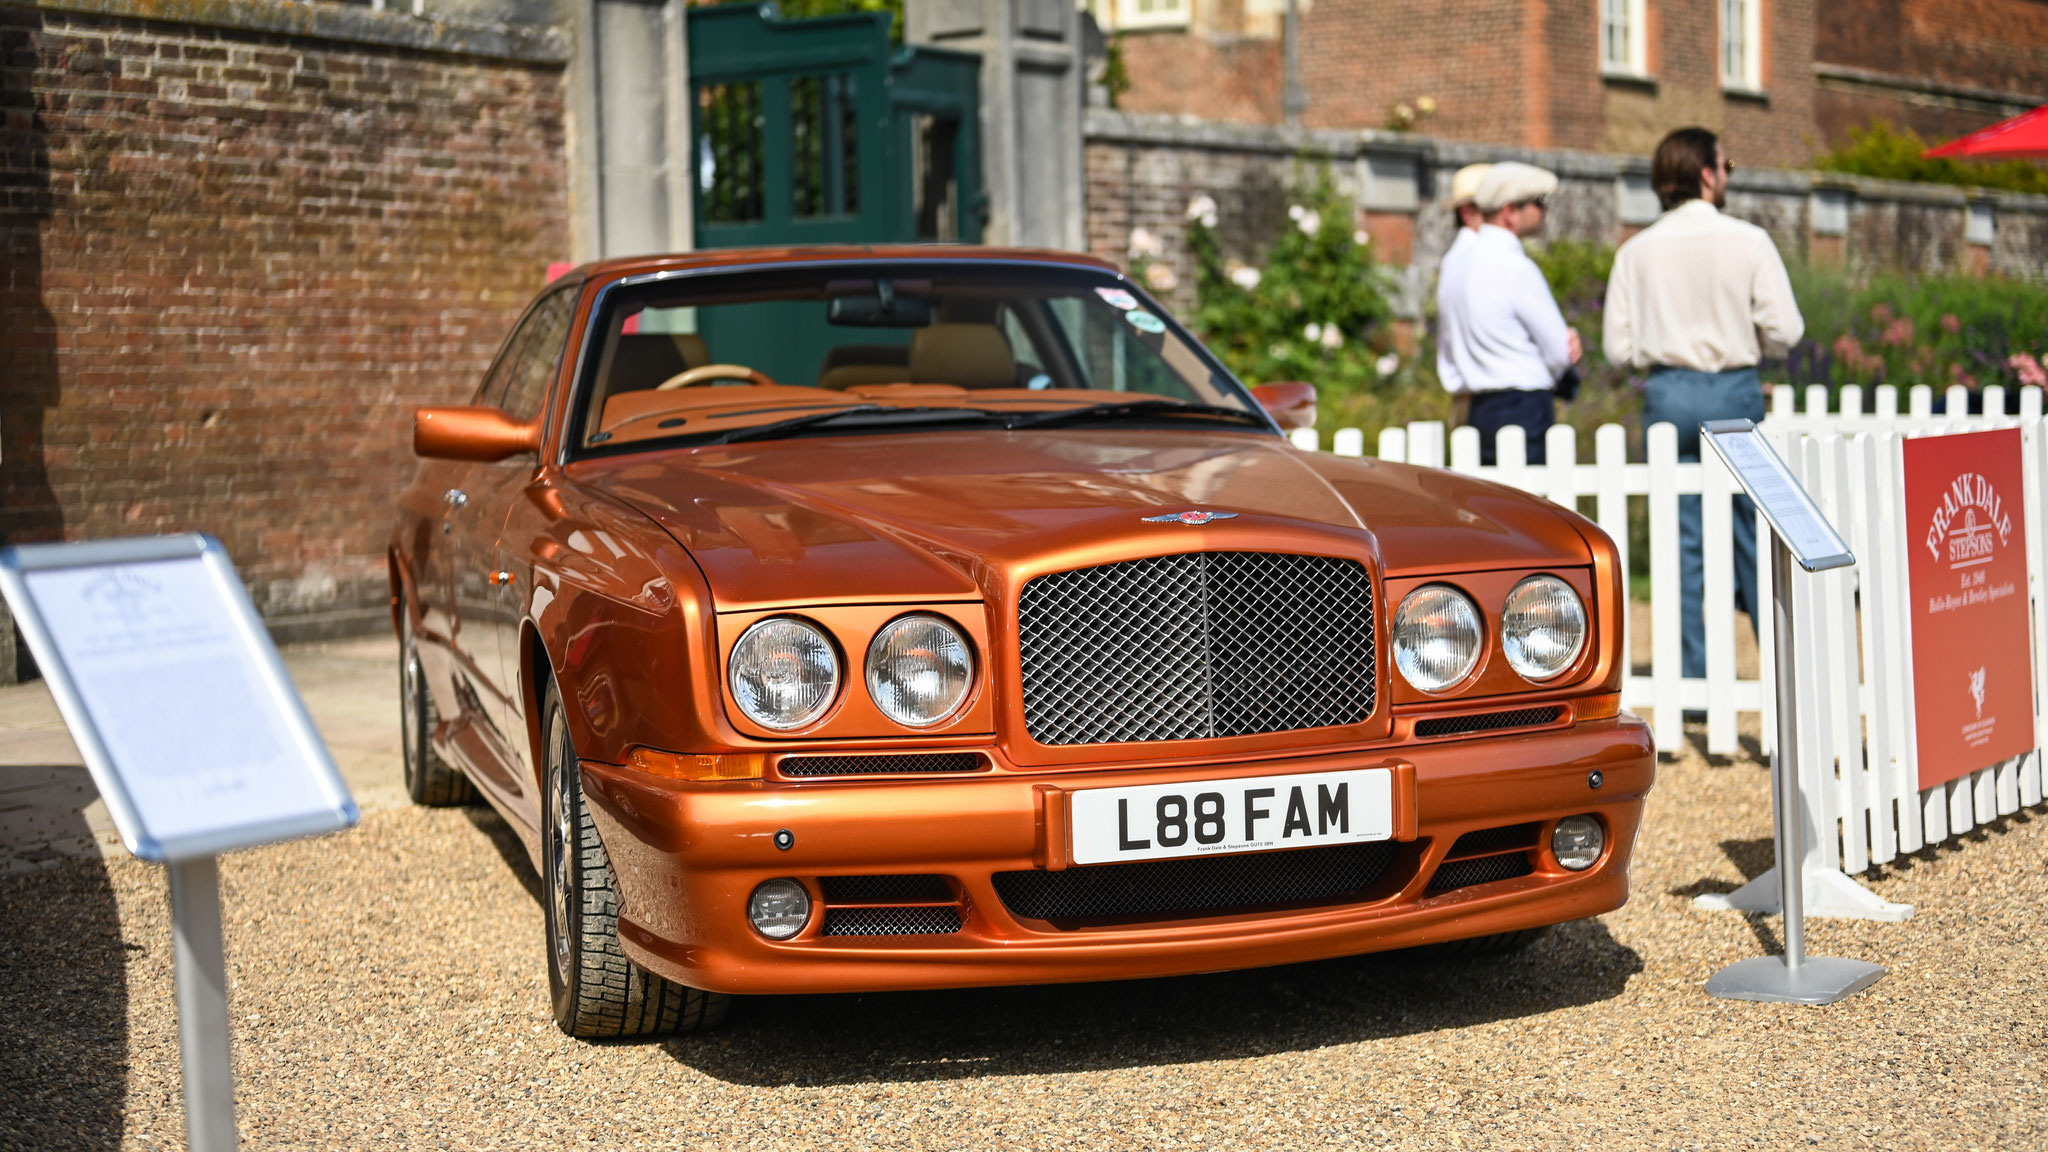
[
  {"x": 484, "y": 434},
  {"x": 1291, "y": 403}
]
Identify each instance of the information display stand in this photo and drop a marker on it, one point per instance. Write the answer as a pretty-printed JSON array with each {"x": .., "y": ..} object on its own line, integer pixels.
[
  {"x": 194, "y": 734},
  {"x": 1798, "y": 532}
]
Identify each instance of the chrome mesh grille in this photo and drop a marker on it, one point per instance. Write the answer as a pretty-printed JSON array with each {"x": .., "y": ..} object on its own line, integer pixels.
[
  {"x": 891, "y": 921},
  {"x": 1479, "y": 870},
  {"x": 881, "y": 765},
  {"x": 1487, "y": 721},
  {"x": 1196, "y": 884},
  {"x": 1196, "y": 645}
]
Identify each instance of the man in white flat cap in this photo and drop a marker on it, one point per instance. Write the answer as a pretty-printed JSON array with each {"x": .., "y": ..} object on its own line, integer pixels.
[
  {"x": 1450, "y": 276},
  {"x": 1499, "y": 327}
]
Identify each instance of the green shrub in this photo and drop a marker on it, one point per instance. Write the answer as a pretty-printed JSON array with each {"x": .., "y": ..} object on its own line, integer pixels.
[
  {"x": 1889, "y": 153},
  {"x": 1314, "y": 308}
]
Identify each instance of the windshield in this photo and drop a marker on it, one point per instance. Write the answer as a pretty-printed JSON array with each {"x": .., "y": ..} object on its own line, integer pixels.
[{"x": 894, "y": 347}]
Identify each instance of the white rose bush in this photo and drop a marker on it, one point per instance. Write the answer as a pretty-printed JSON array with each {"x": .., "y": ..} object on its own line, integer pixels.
[{"x": 1312, "y": 308}]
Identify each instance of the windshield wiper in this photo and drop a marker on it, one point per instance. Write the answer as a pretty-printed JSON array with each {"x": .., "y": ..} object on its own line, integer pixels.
[
  {"x": 860, "y": 416},
  {"x": 1147, "y": 409}
]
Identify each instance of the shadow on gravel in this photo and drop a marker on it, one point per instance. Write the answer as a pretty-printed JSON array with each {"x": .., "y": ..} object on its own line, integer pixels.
[
  {"x": 1752, "y": 858},
  {"x": 63, "y": 1007},
  {"x": 511, "y": 849},
  {"x": 912, "y": 1037}
]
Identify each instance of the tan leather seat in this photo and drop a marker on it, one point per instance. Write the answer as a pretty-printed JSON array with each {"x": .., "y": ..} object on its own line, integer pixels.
[
  {"x": 854, "y": 365},
  {"x": 967, "y": 355},
  {"x": 645, "y": 359}
]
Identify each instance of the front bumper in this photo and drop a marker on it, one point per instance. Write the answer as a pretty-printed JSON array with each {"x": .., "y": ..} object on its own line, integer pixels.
[{"x": 688, "y": 855}]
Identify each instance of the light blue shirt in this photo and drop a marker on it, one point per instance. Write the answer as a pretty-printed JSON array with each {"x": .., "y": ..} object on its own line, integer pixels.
[{"x": 1498, "y": 327}]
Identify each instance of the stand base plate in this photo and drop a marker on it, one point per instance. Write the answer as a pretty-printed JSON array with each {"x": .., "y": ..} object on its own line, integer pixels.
[{"x": 1819, "y": 980}]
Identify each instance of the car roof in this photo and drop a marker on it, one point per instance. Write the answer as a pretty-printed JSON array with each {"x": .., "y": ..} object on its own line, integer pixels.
[{"x": 624, "y": 266}]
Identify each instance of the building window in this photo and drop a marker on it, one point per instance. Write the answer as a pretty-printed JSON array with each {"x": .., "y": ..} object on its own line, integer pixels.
[
  {"x": 1622, "y": 48},
  {"x": 1742, "y": 45},
  {"x": 1152, "y": 13}
]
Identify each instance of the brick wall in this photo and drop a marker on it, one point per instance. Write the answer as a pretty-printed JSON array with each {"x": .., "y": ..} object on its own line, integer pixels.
[
  {"x": 1523, "y": 73},
  {"x": 1940, "y": 67},
  {"x": 235, "y": 260},
  {"x": 1775, "y": 127}
]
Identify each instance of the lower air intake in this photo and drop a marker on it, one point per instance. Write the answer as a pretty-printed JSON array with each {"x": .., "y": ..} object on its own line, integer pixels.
[
  {"x": 1479, "y": 870},
  {"x": 885, "y": 765},
  {"x": 1239, "y": 883},
  {"x": 1487, "y": 721},
  {"x": 891, "y": 921}
]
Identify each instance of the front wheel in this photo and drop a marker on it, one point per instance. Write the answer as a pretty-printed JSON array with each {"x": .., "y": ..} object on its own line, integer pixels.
[{"x": 597, "y": 991}]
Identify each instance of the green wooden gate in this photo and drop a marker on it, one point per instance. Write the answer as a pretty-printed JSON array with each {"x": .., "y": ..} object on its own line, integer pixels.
[{"x": 820, "y": 131}]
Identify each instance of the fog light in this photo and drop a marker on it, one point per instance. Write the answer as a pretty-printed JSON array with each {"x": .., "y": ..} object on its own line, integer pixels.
[
  {"x": 780, "y": 909},
  {"x": 1577, "y": 842}
]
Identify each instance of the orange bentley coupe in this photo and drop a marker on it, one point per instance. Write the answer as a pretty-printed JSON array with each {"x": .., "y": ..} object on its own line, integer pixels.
[{"x": 851, "y": 619}]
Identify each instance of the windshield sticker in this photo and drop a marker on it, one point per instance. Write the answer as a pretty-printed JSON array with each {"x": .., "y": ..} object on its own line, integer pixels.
[
  {"x": 1117, "y": 298},
  {"x": 1144, "y": 321}
]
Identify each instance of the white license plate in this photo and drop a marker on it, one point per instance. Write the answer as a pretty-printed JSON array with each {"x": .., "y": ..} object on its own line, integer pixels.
[{"x": 1252, "y": 814}]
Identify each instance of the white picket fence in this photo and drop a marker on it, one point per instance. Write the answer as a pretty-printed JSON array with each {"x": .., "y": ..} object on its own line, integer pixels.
[{"x": 1859, "y": 768}]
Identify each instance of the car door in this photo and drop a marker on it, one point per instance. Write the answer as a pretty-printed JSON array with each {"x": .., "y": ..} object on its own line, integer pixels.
[
  {"x": 507, "y": 574},
  {"x": 477, "y": 506}
]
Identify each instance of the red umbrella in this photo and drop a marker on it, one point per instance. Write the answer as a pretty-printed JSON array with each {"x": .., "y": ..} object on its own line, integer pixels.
[{"x": 2023, "y": 135}]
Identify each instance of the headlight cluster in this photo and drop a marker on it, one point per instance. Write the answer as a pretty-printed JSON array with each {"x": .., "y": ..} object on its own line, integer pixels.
[
  {"x": 1439, "y": 635},
  {"x": 785, "y": 671}
]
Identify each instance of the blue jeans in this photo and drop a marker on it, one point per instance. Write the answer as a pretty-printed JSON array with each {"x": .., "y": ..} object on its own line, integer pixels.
[
  {"x": 1534, "y": 410},
  {"x": 1683, "y": 397}
]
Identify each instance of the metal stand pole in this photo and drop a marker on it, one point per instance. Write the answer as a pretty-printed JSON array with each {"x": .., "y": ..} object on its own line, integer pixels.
[
  {"x": 1794, "y": 977},
  {"x": 202, "y": 1004}
]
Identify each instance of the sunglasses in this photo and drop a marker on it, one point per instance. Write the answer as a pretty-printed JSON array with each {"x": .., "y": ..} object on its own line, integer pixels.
[
  {"x": 1542, "y": 202},
  {"x": 1728, "y": 167}
]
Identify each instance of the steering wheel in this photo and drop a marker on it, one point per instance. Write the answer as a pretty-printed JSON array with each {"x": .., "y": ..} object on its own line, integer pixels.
[{"x": 708, "y": 372}]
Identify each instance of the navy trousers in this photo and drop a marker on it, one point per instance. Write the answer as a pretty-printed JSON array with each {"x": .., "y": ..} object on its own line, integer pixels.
[
  {"x": 1683, "y": 397},
  {"x": 1533, "y": 409}
]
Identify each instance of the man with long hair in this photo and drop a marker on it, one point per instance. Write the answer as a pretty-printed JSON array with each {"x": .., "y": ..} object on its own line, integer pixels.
[{"x": 1697, "y": 298}]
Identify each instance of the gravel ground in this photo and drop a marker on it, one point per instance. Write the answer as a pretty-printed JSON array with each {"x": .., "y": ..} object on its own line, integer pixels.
[{"x": 388, "y": 991}]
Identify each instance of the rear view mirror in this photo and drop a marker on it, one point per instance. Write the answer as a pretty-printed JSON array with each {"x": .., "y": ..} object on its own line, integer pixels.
[
  {"x": 889, "y": 305},
  {"x": 1291, "y": 403},
  {"x": 483, "y": 434}
]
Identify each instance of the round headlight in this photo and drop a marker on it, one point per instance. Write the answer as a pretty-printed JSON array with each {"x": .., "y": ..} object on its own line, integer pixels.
[
  {"x": 784, "y": 673},
  {"x": 779, "y": 909},
  {"x": 1577, "y": 842},
  {"x": 1543, "y": 627},
  {"x": 1437, "y": 637},
  {"x": 919, "y": 670}
]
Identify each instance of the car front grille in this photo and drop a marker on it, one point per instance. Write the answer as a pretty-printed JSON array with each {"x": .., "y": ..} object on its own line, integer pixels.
[
  {"x": 1200, "y": 884},
  {"x": 1196, "y": 645}
]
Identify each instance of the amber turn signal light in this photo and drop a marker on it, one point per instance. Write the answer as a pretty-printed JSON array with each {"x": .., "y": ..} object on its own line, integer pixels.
[{"x": 683, "y": 766}]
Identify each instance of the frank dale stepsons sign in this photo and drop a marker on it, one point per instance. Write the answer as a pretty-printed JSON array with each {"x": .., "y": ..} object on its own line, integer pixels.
[{"x": 1966, "y": 569}]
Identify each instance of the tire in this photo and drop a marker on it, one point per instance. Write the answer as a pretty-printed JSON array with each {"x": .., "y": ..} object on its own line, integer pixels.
[
  {"x": 429, "y": 780},
  {"x": 597, "y": 992},
  {"x": 1498, "y": 944}
]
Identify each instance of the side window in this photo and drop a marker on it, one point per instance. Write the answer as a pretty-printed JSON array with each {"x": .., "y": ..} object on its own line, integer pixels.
[
  {"x": 533, "y": 368},
  {"x": 517, "y": 381}
]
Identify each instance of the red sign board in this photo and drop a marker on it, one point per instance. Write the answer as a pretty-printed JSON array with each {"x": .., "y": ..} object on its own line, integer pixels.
[{"x": 1966, "y": 573}]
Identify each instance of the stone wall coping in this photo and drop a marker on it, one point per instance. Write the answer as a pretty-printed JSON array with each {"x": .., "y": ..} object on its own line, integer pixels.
[
  {"x": 1109, "y": 126},
  {"x": 345, "y": 23}
]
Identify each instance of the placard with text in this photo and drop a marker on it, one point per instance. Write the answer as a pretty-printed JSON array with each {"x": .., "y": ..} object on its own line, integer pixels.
[{"x": 1966, "y": 572}]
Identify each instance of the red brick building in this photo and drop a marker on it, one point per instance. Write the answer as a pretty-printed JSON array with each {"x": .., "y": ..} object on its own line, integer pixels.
[{"x": 1783, "y": 79}]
